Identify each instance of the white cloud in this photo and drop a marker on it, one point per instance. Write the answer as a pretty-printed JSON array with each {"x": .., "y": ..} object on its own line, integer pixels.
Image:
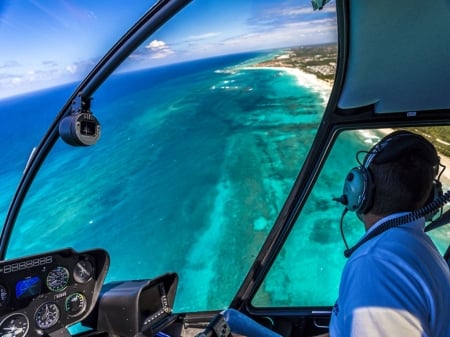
[
  {"x": 159, "y": 49},
  {"x": 306, "y": 10},
  {"x": 44, "y": 74},
  {"x": 203, "y": 36},
  {"x": 9, "y": 64},
  {"x": 291, "y": 34},
  {"x": 72, "y": 68},
  {"x": 156, "y": 44},
  {"x": 79, "y": 68}
]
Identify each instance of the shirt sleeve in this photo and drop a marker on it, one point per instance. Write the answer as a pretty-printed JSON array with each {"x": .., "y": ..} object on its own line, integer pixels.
[{"x": 375, "y": 300}]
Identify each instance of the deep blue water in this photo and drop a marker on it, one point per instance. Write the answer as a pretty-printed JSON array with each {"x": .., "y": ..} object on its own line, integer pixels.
[{"x": 176, "y": 141}]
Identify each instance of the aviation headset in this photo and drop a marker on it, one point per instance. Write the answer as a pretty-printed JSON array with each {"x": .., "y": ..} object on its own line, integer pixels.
[{"x": 359, "y": 187}]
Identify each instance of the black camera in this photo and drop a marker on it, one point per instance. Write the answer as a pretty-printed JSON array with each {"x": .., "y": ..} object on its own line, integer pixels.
[{"x": 81, "y": 128}]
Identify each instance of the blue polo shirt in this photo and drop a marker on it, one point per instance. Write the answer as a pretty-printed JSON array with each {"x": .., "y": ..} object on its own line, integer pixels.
[{"x": 396, "y": 284}]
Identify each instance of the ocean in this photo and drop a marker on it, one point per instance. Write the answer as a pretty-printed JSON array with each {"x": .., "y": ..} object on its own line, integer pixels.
[{"x": 193, "y": 166}]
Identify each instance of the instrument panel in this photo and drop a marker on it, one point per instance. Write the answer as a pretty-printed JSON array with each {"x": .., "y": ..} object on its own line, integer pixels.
[{"x": 44, "y": 293}]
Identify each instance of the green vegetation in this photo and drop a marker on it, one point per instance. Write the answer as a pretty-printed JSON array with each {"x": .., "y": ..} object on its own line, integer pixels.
[{"x": 319, "y": 60}]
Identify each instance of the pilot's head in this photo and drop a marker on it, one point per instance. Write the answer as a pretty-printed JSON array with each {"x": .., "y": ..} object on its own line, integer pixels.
[{"x": 397, "y": 175}]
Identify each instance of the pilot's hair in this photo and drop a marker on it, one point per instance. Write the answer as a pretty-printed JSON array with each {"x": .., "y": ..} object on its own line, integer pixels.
[{"x": 403, "y": 184}]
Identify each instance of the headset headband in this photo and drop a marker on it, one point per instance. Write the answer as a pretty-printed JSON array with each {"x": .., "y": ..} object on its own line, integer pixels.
[{"x": 397, "y": 143}]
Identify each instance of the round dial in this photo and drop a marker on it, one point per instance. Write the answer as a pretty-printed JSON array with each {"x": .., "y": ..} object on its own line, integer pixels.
[
  {"x": 15, "y": 325},
  {"x": 83, "y": 271},
  {"x": 58, "y": 278},
  {"x": 75, "y": 304},
  {"x": 47, "y": 315}
]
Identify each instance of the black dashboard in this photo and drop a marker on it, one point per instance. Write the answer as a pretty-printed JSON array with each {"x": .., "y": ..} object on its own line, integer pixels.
[{"x": 43, "y": 294}]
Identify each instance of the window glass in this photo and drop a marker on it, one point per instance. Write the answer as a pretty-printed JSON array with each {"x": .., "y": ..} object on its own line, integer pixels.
[
  {"x": 309, "y": 265},
  {"x": 307, "y": 270},
  {"x": 25, "y": 133},
  {"x": 196, "y": 156},
  {"x": 440, "y": 137},
  {"x": 45, "y": 44}
]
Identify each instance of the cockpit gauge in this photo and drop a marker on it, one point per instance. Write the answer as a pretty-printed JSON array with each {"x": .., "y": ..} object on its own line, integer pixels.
[
  {"x": 15, "y": 325},
  {"x": 42, "y": 295},
  {"x": 83, "y": 271},
  {"x": 57, "y": 279},
  {"x": 75, "y": 304},
  {"x": 47, "y": 315}
]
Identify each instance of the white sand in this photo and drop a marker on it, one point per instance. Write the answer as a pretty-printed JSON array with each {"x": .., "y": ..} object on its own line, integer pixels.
[
  {"x": 310, "y": 81},
  {"x": 304, "y": 79}
]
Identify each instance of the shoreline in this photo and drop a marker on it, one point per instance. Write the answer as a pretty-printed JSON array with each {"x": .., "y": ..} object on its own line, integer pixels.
[
  {"x": 324, "y": 88},
  {"x": 304, "y": 79}
]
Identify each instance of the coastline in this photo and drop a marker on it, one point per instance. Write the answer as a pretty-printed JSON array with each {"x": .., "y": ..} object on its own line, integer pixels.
[
  {"x": 304, "y": 78},
  {"x": 324, "y": 88}
]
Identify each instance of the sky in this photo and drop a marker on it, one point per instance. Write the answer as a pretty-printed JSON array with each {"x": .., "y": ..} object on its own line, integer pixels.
[{"x": 47, "y": 43}]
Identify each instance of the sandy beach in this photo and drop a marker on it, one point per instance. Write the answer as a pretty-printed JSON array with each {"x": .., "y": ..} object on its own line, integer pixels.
[
  {"x": 324, "y": 88},
  {"x": 309, "y": 80},
  {"x": 304, "y": 79}
]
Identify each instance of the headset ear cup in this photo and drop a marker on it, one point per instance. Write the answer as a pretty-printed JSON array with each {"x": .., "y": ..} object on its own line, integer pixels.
[{"x": 358, "y": 190}]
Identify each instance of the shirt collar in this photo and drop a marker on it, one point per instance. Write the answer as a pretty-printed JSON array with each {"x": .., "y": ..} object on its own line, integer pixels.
[{"x": 418, "y": 222}]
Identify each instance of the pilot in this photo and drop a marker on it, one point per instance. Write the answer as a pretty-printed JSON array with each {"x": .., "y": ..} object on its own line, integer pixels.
[{"x": 395, "y": 282}]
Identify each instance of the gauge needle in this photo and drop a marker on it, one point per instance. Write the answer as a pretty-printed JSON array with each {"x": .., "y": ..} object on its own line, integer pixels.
[
  {"x": 18, "y": 330},
  {"x": 82, "y": 269},
  {"x": 14, "y": 330}
]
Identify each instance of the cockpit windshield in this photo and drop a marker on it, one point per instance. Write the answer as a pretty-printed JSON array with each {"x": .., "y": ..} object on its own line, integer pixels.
[
  {"x": 48, "y": 46},
  {"x": 204, "y": 129},
  {"x": 202, "y": 132},
  {"x": 219, "y": 151}
]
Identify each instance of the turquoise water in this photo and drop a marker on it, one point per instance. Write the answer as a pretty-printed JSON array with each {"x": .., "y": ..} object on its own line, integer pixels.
[{"x": 193, "y": 166}]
